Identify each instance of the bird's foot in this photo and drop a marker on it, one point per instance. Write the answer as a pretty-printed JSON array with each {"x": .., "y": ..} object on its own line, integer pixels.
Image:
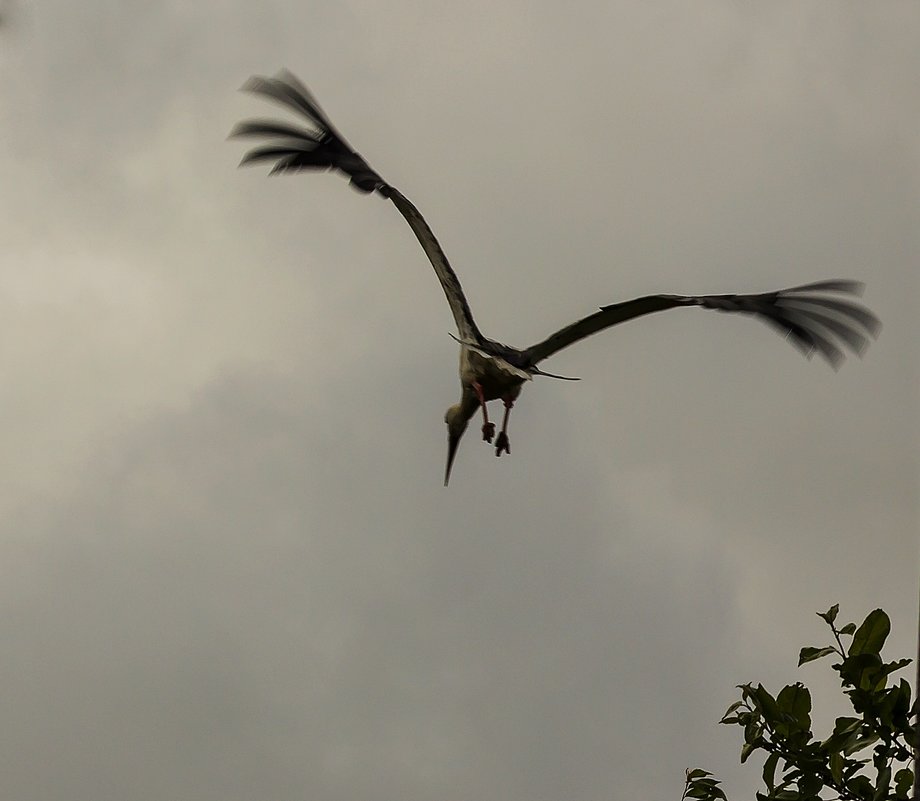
[
  {"x": 488, "y": 431},
  {"x": 502, "y": 444}
]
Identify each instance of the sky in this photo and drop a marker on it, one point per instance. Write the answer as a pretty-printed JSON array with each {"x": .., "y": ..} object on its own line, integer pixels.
[{"x": 228, "y": 566}]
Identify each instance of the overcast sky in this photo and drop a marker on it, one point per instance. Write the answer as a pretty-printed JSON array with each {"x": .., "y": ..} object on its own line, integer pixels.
[{"x": 228, "y": 568}]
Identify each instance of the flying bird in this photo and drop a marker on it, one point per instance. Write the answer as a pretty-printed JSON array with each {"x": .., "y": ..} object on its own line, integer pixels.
[{"x": 813, "y": 317}]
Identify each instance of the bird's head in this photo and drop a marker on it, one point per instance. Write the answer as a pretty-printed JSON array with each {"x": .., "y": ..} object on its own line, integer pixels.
[{"x": 457, "y": 421}]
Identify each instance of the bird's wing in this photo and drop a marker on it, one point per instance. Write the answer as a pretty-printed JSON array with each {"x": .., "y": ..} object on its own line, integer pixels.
[
  {"x": 463, "y": 317},
  {"x": 322, "y": 147},
  {"x": 809, "y": 316}
]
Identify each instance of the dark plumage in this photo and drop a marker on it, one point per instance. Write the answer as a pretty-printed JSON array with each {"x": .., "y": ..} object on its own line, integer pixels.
[{"x": 813, "y": 317}]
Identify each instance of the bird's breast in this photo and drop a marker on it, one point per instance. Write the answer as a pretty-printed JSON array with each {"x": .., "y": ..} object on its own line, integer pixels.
[{"x": 496, "y": 376}]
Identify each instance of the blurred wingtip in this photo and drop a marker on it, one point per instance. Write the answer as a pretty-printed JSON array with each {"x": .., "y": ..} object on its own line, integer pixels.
[{"x": 252, "y": 83}]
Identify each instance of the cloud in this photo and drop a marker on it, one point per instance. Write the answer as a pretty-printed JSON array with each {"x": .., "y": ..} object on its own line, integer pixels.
[{"x": 229, "y": 568}]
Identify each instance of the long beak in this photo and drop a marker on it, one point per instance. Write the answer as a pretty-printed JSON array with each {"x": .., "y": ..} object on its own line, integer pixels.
[{"x": 453, "y": 440}]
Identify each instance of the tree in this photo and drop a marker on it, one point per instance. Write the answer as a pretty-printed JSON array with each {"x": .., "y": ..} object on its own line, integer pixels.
[{"x": 841, "y": 762}]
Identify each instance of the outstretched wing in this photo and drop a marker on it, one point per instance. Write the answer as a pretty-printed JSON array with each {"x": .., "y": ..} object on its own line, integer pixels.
[
  {"x": 322, "y": 147},
  {"x": 809, "y": 316}
]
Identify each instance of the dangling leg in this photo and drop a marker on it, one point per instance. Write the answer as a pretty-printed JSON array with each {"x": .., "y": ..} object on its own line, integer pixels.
[
  {"x": 488, "y": 429},
  {"x": 502, "y": 443}
]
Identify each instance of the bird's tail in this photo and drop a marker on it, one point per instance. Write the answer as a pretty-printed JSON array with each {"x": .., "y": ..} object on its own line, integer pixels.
[{"x": 293, "y": 148}]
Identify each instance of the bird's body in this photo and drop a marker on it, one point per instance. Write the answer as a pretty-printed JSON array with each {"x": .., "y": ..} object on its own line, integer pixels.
[
  {"x": 496, "y": 377},
  {"x": 811, "y": 316}
]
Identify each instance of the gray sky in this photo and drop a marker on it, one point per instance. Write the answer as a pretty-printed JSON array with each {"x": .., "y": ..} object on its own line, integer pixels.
[{"x": 229, "y": 568}]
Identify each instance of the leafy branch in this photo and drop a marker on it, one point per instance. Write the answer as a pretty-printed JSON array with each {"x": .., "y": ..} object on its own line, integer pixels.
[{"x": 841, "y": 762}]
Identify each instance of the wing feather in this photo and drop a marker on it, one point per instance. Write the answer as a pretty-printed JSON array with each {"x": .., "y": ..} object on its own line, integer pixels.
[
  {"x": 323, "y": 148},
  {"x": 805, "y": 316},
  {"x": 463, "y": 317}
]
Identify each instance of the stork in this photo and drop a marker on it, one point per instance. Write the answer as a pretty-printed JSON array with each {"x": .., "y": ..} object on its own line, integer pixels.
[{"x": 813, "y": 316}]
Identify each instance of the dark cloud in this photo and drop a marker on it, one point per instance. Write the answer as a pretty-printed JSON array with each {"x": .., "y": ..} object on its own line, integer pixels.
[{"x": 230, "y": 570}]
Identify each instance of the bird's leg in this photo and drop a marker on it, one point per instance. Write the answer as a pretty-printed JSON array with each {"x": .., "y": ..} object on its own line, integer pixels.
[
  {"x": 488, "y": 429},
  {"x": 502, "y": 443}
]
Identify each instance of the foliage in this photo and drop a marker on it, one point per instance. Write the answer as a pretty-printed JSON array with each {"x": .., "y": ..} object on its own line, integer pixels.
[
  {"x": 700, "y": 784},
  {"x": 842, "y": 761}
]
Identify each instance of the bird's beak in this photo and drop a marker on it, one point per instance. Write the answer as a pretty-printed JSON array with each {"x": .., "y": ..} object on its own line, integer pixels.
[{"x": 453, "y": 440}]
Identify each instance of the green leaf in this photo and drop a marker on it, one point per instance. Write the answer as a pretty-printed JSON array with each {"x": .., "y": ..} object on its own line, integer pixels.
[
  {"x": 903, "y": 782},
  {"x": 810, "y": 785},
  {"x": 830, "y": 615},
  {"x": 891, "y": 667},
  {"x": 888, "y": 668},
  {"x": 860, "y": 786},
  {"x": 697, "y": 773},
  {"x": 728, "y": 717},
  {"x": 769, "y": 771},
  {"x": 795, "y": 701},
  {"x": 902, "y": 707},
  {"x": 752, "y": 731},
  {"x": 891, "y": 706},
  {"x": 766, "y": 703},
  {"x": 849, "y": 628},
  {"x": 732, "y": 708},
  {"x": 883, "y": 782},
  {"x": 704, "y": 790},
  {"x": 845, "y": 731},
  {"x": 871, "y": 635},
  {"x": 860, "y": 670},
  {"x": 835, "y": 762},
  {"x": 811, "y": 654},
  {"x": 746, "y": 750},
  {"x": 860, "y": 744}
]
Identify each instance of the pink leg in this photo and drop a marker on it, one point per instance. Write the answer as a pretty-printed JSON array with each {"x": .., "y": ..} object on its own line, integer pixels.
[
  {"x": 488, "y": 429},
  {"x": 502, "y": 443}
]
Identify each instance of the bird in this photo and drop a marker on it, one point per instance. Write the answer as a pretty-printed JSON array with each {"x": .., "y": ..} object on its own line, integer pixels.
[{"x": 816, "y": 317}]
